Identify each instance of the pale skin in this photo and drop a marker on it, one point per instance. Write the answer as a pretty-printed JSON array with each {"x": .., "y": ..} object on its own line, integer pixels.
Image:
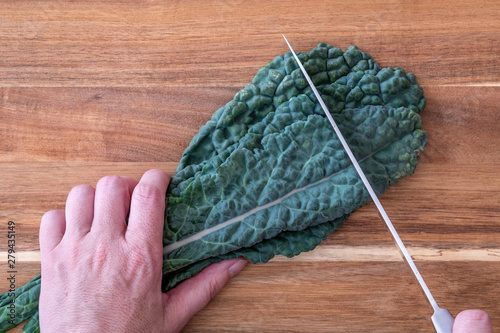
[{"x": 101, "y": 274}]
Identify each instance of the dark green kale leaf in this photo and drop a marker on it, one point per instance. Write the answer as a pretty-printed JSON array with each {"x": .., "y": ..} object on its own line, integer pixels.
[{"x": 268, "y": 169}]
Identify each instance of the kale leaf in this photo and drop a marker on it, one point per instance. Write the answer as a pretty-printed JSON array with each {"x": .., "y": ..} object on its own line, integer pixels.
[{"x": 267, "y": 174}]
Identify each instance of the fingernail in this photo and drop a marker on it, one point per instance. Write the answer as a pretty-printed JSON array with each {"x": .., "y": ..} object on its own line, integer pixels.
[{"x": 237, "y": 267}]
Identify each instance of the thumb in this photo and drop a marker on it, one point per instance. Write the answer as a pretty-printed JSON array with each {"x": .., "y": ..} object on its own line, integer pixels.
[
  {"x": 472, "y": 321},
  {"x": 192, "y": 295}
]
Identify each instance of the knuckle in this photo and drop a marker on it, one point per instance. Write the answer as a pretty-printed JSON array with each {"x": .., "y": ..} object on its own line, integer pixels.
[
  {"x": 147, "y": 192},
  {"x": 101, "y": 252},
  {"x": 51, "y": 214},
  {"x": 68, "y": 253},
  {"x": 137, "y": 265},
  {"x": 159, "y": 175},
  {"x": 109, "y": 181},
  {"x": 135, "y": 261},
  {"x": 81, "y": 189}
]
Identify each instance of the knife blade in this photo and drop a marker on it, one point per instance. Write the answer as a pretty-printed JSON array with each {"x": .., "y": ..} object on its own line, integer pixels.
[{"x": 442, "y": 318}]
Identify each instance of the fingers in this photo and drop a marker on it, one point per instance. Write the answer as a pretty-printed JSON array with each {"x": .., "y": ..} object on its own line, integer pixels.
[
  {"x": 52, "y": 228},
  {"x": 111, "y": 205},
  {"x": 79, "y": 210},
  {"x": 147, "y": 209},
  {"x": 185, "y": 300},
  {"x": 472, "y": 321},
  {"x": 105, "y": 209}
]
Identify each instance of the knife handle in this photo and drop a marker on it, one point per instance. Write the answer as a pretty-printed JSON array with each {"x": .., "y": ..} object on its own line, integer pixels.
[{"x": 442, "y": 321}]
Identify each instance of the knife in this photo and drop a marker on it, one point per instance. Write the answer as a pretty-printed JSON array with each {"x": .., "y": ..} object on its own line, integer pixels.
[{"x": 442, "y": 318}]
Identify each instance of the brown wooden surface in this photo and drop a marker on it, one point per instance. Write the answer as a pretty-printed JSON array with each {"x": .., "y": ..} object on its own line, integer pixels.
[{"x": 91, "y": 88}]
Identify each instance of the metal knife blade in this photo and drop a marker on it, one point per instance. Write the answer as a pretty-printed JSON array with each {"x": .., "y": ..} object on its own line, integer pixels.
[{"x": 442, "y": 318}]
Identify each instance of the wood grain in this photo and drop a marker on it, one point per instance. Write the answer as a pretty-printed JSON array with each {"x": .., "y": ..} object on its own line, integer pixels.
[
  {"x": 121, "y": 43},
  {"x": 91, "y": 88}
]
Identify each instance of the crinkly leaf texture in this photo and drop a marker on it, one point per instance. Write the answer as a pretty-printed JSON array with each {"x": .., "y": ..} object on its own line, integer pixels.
[{"x": 267, "y": 174}]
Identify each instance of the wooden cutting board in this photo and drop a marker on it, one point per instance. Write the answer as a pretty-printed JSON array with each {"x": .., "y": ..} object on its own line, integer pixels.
[{"x": 93, "y": 88}]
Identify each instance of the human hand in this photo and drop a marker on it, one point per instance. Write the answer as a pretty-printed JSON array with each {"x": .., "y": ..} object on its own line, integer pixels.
[
  {"x": 102, "y": 275},
  {"x": 472, "y": 321}
]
